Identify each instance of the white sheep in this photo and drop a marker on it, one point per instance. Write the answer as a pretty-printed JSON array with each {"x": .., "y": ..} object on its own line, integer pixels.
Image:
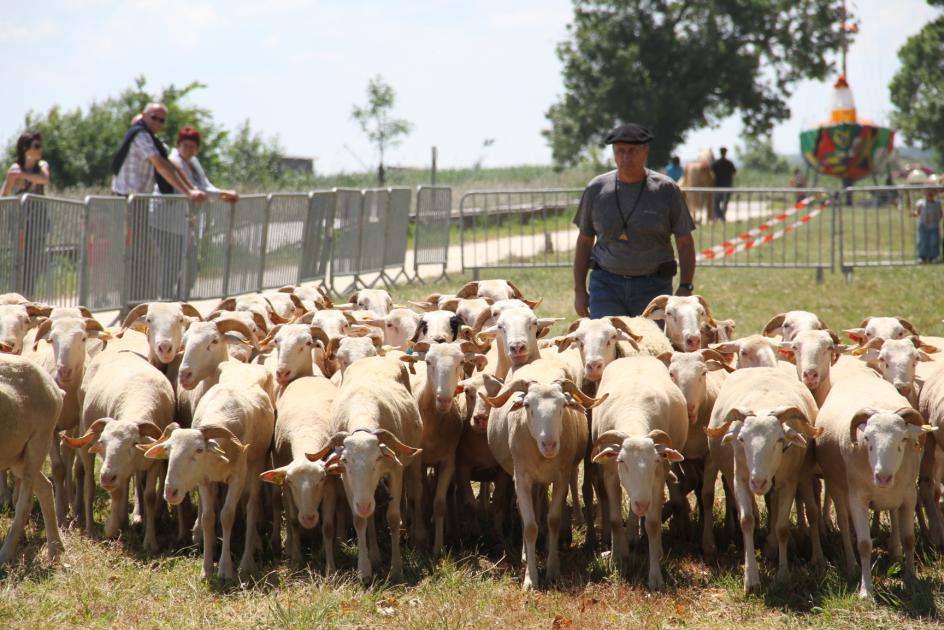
[
  {"x": 684, "y": 319},
  {"x": 166, "y": 323},
  {"x": 227, "y": 443}
]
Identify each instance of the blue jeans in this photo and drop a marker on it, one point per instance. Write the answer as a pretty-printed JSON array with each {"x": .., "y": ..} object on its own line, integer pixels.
[
  {"x": 721, "y": 204},
  {"x": 928, "y": 241},
  {"x": 611, "y": 294}
]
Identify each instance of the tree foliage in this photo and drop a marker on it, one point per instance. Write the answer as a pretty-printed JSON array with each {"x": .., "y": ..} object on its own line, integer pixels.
[
  {"x": 679, "y": 66},
  {"x": 757, "y": 154},
  {"x": 79, "y": 144},
  {"x": 917, "y": 90},
  {"x": 376, "y": 120}
]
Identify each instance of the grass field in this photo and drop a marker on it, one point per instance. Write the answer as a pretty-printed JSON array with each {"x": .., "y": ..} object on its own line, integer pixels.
[{"x": 114, "y": 584}]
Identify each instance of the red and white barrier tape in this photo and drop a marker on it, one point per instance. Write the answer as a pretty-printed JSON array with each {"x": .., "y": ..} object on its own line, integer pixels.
[{"x": 746, "y": 240}]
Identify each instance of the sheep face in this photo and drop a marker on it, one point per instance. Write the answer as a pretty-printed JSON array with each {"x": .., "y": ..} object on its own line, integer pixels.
[
  {"x": 887, "y": 438},
  {"x": 166, "y": 324},
  {"x": 294, "y": 345},
  {"x": 814, "y": 351},
  {"x": 684, "y": 317},
  {"x": 518, "y": 330},
  {"x": 204, "y": 350},
  {"x": 751, "y": 351},
  {"x": 191, "y": 458},
  {"x": 120, "y": 457},
  {"x": 762, "y": 440},
  {"x": 334, "y": 323},
  {"x": 884, "y": 327},
  {"x": 351, "y": 349},
  {"x": 476, "y": 408},
  {"x": 596, "y": 340},
  {"x": 641, "y": 464},
  {"x": 399, "y": 326},
  {"x": 470, "y": 310},
  {"x": 896, "y": 361},
  {"x": 438, "y": 327},
  {"x": 445, "y": 367},
  {"x": 544, "y": 406},
  {"x": 14, "y": 323},
  {"x": 376, "y": 301},
  {"x": 689, "y": 371},
  {"x": 364, "y": 460},
  {"x": 305, "y": 480},
  {"x": 68, "y": 337}
]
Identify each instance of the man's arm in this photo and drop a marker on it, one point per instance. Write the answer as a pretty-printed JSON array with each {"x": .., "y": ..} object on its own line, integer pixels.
[
  {"x": 686, "y": 253},
  {"x": 581, "y": 265},
  {"x": 169, "y": 172}
]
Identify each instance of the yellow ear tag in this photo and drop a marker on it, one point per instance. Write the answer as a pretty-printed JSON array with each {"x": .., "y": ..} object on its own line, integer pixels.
[{"x": 139, "y": 327}]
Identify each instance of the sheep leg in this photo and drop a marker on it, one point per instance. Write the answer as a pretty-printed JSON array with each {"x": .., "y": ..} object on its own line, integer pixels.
[
  {"x": 292, "y": 531},
  {"x": 68, "y": 460},
  {"x": 119, "y": 510},
  {"x": 906, "y": 514},
  {"x": 577, "y": 515},
  {"x": 786, "y": 493},
  {"x": 137, "y": 516},
  {"x": 746, "y": 507},
  {"x": 446, "y": 471},
  {"x": 88, "y": 486},
  {"x": 6, "y": 498},
  {"x": 247, "y": 563},
  {"x": 373, "y": 547},
  {"x": 523, "y": 491},
  {"x": 43, "y": 489},
  {"x": 78, "y": 500},
  {"x": 414, "y": 492},
  {"x": 364, "y": 567},
  {"x": 859, "y": 511},
  {"x": 23, "y": 504},
  {"x": 59, "y": 482},
  {"x": 813, "y": 516},
  {"x": 207, "y": 521},
  {"x": 554, "y": 514},
  {"x": 708, "y": 545},
  {"x": 277, "y": 496},
  {"x": 150, "y": 508},
  {"x": 619, "y": 545},
  {"x": 841, "y": 502},
  {"x": 234, "y": 493},
  {"x": 588, "y": 511},
  {"x": 328, "y": 505},
  {"x": 395, "y": 487},
  {"x": 894, "y": 538},
  {"x": 467, "y": 501},
  {"x": 654, "y": 535}
]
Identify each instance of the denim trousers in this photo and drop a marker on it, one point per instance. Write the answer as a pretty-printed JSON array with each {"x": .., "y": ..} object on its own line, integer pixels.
[
  {"x": 929, "y": 237},
  {"x": 611, "y": 294}
]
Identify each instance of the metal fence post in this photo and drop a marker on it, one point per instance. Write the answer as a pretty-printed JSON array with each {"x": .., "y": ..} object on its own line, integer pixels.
[
  {"x": 265, "y": 241},
  {"x": 83, "y": 255},
  {"x": 228, "y": 251}
]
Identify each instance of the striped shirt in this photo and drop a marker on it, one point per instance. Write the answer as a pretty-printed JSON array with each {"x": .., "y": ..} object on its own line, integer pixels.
[{"x": 137, "y": 172}]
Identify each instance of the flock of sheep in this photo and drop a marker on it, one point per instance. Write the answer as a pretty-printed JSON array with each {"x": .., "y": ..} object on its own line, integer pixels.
[{"x": 283, "y": 400}]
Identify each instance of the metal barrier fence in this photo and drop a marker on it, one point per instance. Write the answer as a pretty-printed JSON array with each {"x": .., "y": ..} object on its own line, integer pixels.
[
  {"x": 518, "y": 228},
  {"x": 431, "y": 232},
  {"x": 879, "y": 227},
  {"x": 111, "y": 252}
]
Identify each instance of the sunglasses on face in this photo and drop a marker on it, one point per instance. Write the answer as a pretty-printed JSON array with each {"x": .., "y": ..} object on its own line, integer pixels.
[
  {"x": 37, "y": 145},
  {"x": 157, "y": 118}
]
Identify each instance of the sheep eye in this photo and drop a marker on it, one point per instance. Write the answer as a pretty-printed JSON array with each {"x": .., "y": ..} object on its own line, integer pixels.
[
  {"x": 216, "y": 341},
  {"x": 200, "y": 450}
]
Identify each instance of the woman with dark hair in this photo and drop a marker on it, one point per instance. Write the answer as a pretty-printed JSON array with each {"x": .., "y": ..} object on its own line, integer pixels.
[{"x": 30, "y": 174}]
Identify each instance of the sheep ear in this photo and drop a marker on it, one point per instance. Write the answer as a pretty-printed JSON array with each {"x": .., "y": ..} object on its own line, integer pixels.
[
  {"x": 796, "y": 439},
  {"x": 671, "y": 454},
  {"x": 275, "y": 476},
  {"x": 856, "y": 334},
  {"x": 606, "y": 454},
  {"x": 157, "y": 452},
  {"x": 97, "y": 448}
]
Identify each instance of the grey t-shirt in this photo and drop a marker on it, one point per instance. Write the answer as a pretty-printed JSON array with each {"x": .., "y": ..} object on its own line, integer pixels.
[{"x": 660, "y": 213}]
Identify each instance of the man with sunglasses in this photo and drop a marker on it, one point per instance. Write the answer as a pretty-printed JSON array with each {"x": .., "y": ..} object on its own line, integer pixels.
[
  {"x": 627, "y": 219},
  {"x": 157, "y": 241}
]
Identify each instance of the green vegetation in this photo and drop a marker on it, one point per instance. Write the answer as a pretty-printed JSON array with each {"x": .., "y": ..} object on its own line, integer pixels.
[
  {"x": 680, "y": 66},
  {"x": 375, "y": 120},
  {"x": 917, "y": 90}
]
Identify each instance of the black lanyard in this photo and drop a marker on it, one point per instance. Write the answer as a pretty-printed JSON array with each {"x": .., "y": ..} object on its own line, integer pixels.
[{"x": 619, "y": 206}]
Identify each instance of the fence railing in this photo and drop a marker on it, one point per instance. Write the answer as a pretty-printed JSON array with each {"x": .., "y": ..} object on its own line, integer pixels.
[{"x": 111, "y": 252}]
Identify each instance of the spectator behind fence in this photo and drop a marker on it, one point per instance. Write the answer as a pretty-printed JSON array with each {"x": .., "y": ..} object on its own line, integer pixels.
[
  {"x": 674, "y": 168},
  {"x": 184, "y": 157},
  {"x": 798, "y": 180},
  {"x": 141, "y": 166},
  {"x": 723, "y": 170},
  {"x": 30, "y": 174},
  {"x": 928, "y": 211}
]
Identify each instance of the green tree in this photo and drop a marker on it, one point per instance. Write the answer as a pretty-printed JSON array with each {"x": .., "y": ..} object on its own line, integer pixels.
[
  {"x": 917, "y": 90},
  {"x": 679, "y": 66},
  {"x": 249, "y": 157},
  {"x": 376, "y": 120},
  {"x": 757, "y": 154}
]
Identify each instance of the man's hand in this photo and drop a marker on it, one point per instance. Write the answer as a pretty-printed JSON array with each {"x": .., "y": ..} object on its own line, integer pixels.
[
  {"x": 582, "y": 303},
  {"x": 682, "y": 292},
  {"x": 229, "y": 196},
  {"x": 196, "y": 196}
]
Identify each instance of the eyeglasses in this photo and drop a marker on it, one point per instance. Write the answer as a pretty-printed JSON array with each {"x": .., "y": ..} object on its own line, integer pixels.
[
  {"x": 37, "y": 145},
  {"x": 156, "y": 118}
]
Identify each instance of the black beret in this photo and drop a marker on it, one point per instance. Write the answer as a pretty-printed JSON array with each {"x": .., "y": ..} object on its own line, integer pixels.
[{"x": 630, "y": 133}]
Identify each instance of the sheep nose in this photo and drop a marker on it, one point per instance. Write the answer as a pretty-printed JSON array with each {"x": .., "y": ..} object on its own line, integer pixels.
[
  {"x": 883, "y": 481},
  {"x": 549, "y": 448},
  {"x": 172, "y": 495},
  {"x": 903, "y": 388},
  {"x": 308, "y": 520},
  {"x": 480, "y": 421},
  {"x": 64, "y": 374},
  {"x": 758, "y": 485},
  {"x": 640, "y": 507},
  {"x": 186, "y": 378},
  {"x": 282, "y": 375},
  {"x": 594, "y": 368},
  {"x": 518, "y": 347},
  {"x": 443, "y": 402},
  {"x": 108, "y": 480},
  {"x": 692, "y": 342},
  {"x": 363, "y": 509},
  {"x": 439, "y": 339},
  {"x": 810, "y": 375}
]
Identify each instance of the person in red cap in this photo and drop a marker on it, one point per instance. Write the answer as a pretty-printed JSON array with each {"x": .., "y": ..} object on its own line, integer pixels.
[
  {"x": 627, "y": 218},
  {"x": 184, "y": 157}
]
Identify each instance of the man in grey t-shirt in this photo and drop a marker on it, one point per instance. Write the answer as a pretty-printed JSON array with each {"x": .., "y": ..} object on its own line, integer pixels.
[{"x": 627, "y": 218}]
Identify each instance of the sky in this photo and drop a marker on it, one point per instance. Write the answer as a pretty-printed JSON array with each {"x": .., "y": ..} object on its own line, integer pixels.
[{"x": 463, "y": 71}]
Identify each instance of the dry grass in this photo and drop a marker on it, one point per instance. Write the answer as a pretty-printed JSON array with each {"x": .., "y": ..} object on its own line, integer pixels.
[{"x": 114, "y": 584}]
